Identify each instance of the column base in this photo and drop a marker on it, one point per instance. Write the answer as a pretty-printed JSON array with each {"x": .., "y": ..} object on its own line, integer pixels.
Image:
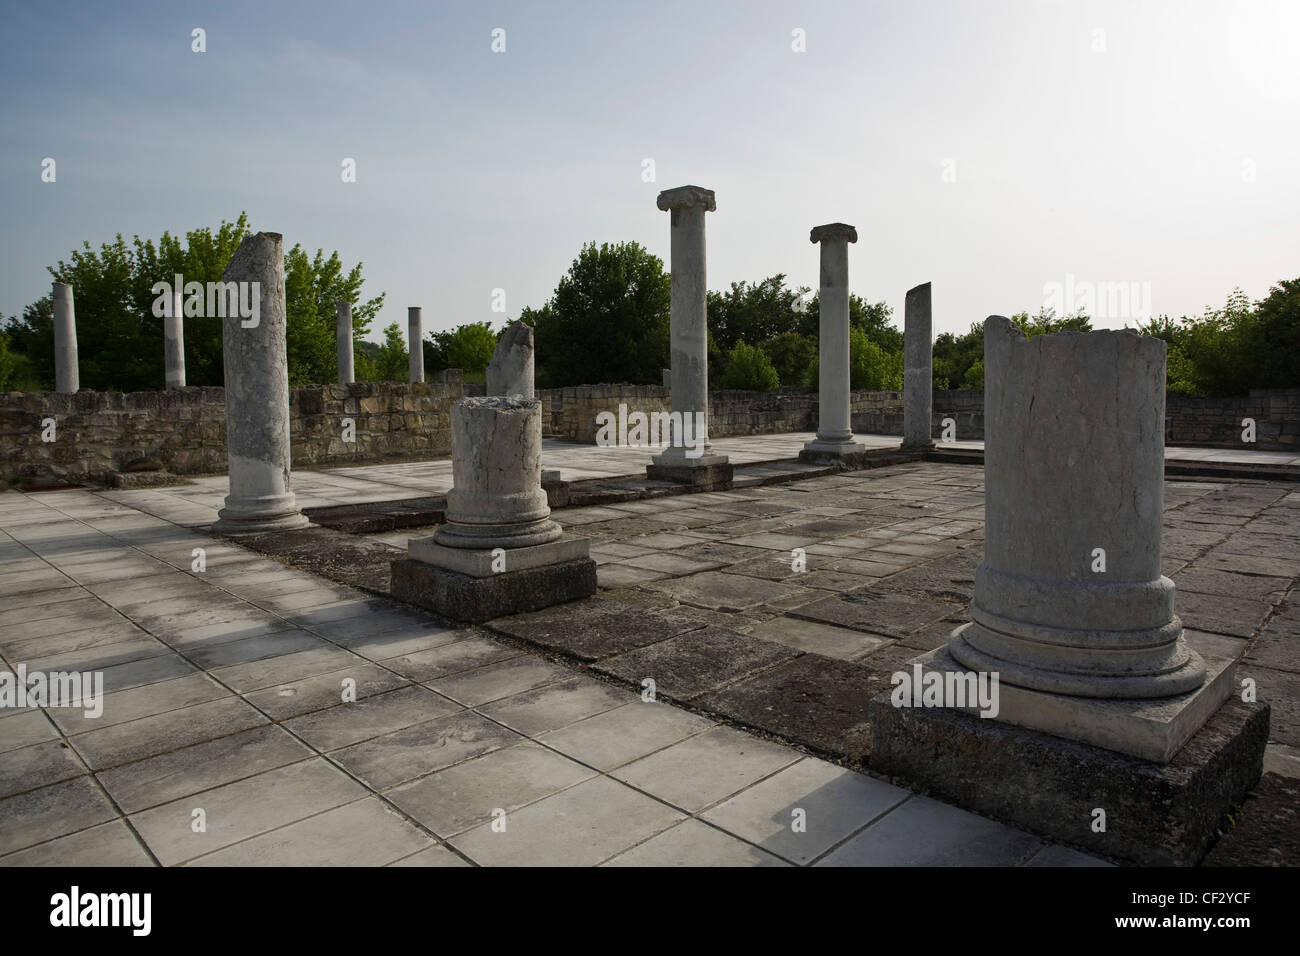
[
  {"x": 819, "y": 449},
  {"x": 1149, "y": 728},
  {"x": 484, "y": 563},
  {"x": 254, "y": 515},
  {"x": 714, "y": 474},
  {"x": 462, "y": 597},
  {"x": 1157, "y": 814}
]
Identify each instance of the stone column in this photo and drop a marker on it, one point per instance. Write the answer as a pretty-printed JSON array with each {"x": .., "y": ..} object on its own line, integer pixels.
[
  {"x": 690, "y": 457},
  {"x": 510, "y": 372},
  {"x": 67, "y": 377},
  {"x": 498, "y": 551},
  {"x": 1073, "y": 633},
  {"x": 343, "y": 336},
  {"x": 257, "y": 395},
  {"x": 1070, "y": 598},
  {"x": 415, "y": 335},
  {"x": 918, "y": 369},
  {"x": 834, "y": 413},
  {"x": 174, "y": 342}
]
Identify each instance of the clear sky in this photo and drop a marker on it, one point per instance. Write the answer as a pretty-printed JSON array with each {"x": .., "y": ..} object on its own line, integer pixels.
[{"x": 991, "y": 148}]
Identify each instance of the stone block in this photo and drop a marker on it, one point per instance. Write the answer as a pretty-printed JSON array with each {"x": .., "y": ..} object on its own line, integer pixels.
[
  {"x": 1156, "y": 815},
  {"x": 461, "y": 597}
]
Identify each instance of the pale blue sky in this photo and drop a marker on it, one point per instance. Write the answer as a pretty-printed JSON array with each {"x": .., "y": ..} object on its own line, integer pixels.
[{"x": 1169, "y": 157}]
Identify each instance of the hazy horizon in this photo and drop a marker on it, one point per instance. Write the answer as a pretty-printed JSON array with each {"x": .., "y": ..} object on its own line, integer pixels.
[{"x": 990, "y": 149}]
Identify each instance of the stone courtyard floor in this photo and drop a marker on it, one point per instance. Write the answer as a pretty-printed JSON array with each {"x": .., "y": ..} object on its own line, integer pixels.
[{"x": 225, "y": 685}]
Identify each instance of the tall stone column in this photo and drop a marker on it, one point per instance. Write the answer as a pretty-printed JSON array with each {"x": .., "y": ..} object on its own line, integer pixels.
[
  {"x": 690, "y": 457},
  {"x": 834, "y": 411},
  {"x": 257, "y": 395},
  {"x": 918, "y": 369},
  {"x": 415, "y": 336},
  {"x": 174, "y": 342},
  {"x": 67, "y": 377},
  {"x": 343, "y": 337}
]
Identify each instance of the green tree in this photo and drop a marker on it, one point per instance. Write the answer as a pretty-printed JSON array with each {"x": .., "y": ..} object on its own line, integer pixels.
[
  {"x": 120, "y": 339},
  {"x": 607, "y": 320},
  {"x": 754, "y": 312},
  {"x": 870, "y": 366},
  {"x": 792, "y": 354},
  {"x": 392, "y": 362},
  {"x": 974, "y": 377},
  {"x": 749, "y": 368}
]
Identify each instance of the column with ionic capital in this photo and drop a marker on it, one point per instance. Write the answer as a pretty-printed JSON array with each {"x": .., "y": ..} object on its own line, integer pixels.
[
  {"x": 689, "y": 338},
  {"x": 834, "y": 415}
]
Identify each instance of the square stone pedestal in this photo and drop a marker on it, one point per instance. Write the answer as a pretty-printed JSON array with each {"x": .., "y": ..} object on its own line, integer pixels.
[
  {"x": 1155, "y": 814},
  {"x": 705, "y": 473},
  {"x": 460, "y": 583},
  {"x": 817, "y": 451}
]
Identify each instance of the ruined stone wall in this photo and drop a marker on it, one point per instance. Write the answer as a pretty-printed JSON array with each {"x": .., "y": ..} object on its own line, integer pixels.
[
  {"x": 1217, "y": 421},
  {"x": 570, "y": 413},
  {"x": 185, "y": 429}
]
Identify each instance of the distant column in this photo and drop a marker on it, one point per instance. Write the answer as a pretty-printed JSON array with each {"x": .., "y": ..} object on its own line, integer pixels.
[
  {"x": 257, "y": 396},
  {"x": 174, "y": 342},
  {"x": 834, "y": 421},
  {"x": 415, "y": 335},
  {"x": 344, "y": 344},
  {"x": 66, "y": 376},
  {"x": 918, "y": 369}
]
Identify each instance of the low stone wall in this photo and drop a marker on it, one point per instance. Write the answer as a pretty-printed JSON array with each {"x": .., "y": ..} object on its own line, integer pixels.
[
  {"x": 95, "y": 433},
  {"x": 570, "y": 413},
  {"x": 881, "y": 413},
  {"x": 1217, "y": 421}
]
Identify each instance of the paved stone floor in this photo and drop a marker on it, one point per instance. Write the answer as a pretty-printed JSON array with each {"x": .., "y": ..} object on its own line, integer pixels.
[{"x": 225, "y": 685}]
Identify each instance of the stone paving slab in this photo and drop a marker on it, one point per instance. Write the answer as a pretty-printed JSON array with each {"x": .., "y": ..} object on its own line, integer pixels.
[{"x": 278, "y": 618}]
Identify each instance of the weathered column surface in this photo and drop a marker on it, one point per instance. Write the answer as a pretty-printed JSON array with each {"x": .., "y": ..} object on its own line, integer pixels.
[
  {"x": 67, "y": 377},
  {"x": 690, "y": 456},
  {"x": 1071, "y": 698},
  {"x": 415, "y": 338},
  {"x": 257, "y": 396},
  {"x": 510, "y": 372},
  {"x": 343, "y": 343},
  {"x": 174, "y": 342},
  {"x": 834, "y": 411},
  {"x": 1070, "y": 598},
  {"x": 498, "y": 552},
  {"x": 918, "y": 369}
]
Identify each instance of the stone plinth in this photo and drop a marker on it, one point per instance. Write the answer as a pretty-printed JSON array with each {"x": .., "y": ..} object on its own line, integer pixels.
[
  {"x": 343, "y": 344},
  {"x": 174, "y": 342},
  {"x": 689, "y": 449},
  {"x": 834, "y": 427},
  {"x": 511, "y": 370},
  {"x": 918, "y": 368},
  {"x": 498, "y": 552},
  {"x": 67, "y": 377},
  {"x": 257, "y": 397},
  {"x": 415, "y": 342}
]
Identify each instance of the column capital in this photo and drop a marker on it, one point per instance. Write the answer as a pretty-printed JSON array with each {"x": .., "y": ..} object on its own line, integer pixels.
[
  {"x": 684, "y": 197},
  {"x": 834, "y": 230}
]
